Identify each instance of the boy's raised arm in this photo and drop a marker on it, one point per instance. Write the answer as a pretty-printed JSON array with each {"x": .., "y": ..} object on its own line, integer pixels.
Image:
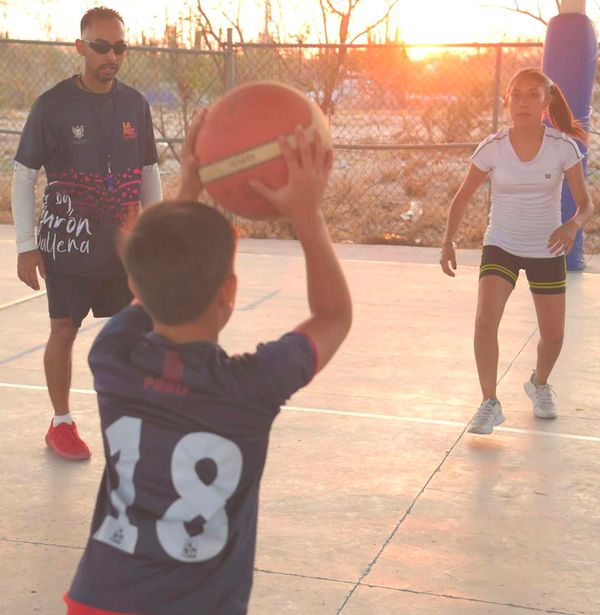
[
  {"x": 300, "y": 201},
  {"x": 190, "y": 186}
]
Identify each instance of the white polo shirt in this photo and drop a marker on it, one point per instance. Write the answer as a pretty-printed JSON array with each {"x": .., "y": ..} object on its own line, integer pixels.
[{"x": 526, "y": 196}]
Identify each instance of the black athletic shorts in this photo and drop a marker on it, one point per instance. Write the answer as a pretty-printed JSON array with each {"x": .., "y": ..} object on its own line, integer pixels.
[
  {"x": 74, "y": 296},
  {"x": 546, "y": 276}
]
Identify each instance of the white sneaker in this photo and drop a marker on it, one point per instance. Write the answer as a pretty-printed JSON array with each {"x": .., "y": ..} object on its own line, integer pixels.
[
  {"x": 542, "y": 396},
  {"x": 488, "y": 416}
]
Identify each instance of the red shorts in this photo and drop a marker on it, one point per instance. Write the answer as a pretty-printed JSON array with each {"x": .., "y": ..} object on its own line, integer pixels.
[{"x": 76, "y": 608}]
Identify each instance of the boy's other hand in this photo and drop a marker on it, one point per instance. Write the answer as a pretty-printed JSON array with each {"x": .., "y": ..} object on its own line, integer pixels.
[
  {"x": 190, "y": 185},
  {"x": 308, "y": 173}
]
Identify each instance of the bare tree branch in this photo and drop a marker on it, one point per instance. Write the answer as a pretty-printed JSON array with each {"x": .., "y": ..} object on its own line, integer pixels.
[
  {"x": 332, "y": 8},
  {"x": 236, "y": 25},
  {"x": 324, "y": 16},
  {"x": 209, "y": 36},
  {"x": 378, "y": 22},
  {"x": 517, "y": 9}
]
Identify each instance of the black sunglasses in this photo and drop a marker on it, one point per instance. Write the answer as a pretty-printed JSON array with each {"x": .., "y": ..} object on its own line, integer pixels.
[{"x": 102, "y": 47}]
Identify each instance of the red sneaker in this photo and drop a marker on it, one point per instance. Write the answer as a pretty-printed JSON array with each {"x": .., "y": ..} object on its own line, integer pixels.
[{"x": 66, "y": 442}]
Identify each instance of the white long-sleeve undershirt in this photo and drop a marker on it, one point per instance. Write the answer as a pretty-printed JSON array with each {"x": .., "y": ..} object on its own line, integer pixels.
[
  {"x": 151, "y": 188},
  {"x": 22, "y": 202}
]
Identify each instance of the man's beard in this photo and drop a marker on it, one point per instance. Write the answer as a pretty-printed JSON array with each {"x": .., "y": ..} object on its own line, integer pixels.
[{"x": 106, "y": 72}]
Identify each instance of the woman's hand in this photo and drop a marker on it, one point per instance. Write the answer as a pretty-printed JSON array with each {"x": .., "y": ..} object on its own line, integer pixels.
[
  {"x": 448, "y": 259},
  {"x": 562, "y": 239}
]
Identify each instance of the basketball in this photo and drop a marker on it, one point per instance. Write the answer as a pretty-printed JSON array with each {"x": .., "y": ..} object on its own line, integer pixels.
[{"x": 238, "y": 143}]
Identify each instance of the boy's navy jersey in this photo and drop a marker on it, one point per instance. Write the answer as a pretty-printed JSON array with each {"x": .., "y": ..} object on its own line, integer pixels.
[
  {"x": 185, "y": 431},
  {"x": 93, "y": 148}
]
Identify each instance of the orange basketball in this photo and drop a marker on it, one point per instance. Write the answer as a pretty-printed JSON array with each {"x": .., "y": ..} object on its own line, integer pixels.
[{"x": 238, "y": 143}]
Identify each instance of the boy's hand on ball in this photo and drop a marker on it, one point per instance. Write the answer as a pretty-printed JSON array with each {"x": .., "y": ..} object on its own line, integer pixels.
[
  {"x": 190, "y": 185},
  {"x": 308, "y": 173}
]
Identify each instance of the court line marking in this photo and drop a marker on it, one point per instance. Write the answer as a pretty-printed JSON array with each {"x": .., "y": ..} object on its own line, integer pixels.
[
  {"x": 255, "y": 304},
  {"x": 350, "y": 259},
  {"x": 40, "y": 293},
  {"x": 361, "y": 415},
  {"x": 296, "y": 575},
  {"x": 408, "y": 261},
  {"x": 406, "y": 590},
  {"x": 250, "y": 306},
  {"x": 28, "y": 351},
  {"x": 408, "y": 419}
]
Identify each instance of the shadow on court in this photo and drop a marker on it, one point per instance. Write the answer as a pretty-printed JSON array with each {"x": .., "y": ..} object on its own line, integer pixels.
[{"x": 374, "y": 500}]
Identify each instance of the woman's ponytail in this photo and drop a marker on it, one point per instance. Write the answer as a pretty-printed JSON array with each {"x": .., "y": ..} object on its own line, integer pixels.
[{"x": 561, "y": 116}]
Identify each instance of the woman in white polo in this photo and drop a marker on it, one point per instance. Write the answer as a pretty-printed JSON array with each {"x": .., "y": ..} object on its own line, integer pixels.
[{"x": 526, "y": 163}]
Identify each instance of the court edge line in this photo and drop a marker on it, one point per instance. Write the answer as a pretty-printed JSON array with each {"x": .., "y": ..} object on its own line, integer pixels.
[
  {"x": 396, "y": 529},
  {"x": 408, "y": 419},
  {"x": 466, "y": 599},
  {"x": 474, "y": 265},
  {"x": 517, "y": 355},
  {"x": 257, "y": 302},
  {"x": 407, "y": 512},
  {"x": 416, "y": 592},
  {"x": 361, "y": 415},
  {"x": 93, "y": 325},
  {"x": 41, "y": 293},
  {"x": 36, "y": 543},
  {"x": 404, "y": 516},
  {"x": 356, "y": 260},
  {"x": 100, "y": 321}
]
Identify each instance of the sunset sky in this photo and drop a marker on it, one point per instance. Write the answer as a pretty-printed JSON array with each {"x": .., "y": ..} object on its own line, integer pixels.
[{"x": 418, "y": 21}]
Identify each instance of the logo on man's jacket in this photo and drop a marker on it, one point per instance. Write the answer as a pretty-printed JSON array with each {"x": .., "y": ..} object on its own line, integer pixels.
[
  {"x": 78, "y": 131},
  {"x": 129, "y": 131}
]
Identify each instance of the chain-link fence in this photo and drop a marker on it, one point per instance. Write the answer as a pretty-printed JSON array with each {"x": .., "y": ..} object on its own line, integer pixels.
[
  {"x": 404, "y": 120},
  {"x": 175, "y": 81}
]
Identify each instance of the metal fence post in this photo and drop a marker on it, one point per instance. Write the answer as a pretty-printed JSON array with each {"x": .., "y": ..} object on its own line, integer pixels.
[
  {"x": 496, "y": 107},
  {"x": 229, "y": 85},
  {"x": 496, "y": 111},
  {"x": 229, "y": 61}
]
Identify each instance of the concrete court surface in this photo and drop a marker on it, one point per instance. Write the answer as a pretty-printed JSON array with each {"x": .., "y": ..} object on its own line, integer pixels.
[{"x": 374, "y": 500}]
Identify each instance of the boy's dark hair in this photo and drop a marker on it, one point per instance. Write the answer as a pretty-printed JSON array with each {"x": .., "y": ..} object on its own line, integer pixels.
[
  {"x": 99, "y": 12},
  {"x": 178, "y": 254}
]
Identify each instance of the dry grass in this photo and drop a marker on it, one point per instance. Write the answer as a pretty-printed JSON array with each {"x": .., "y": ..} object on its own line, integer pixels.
[{"x": 367, "y": 195}]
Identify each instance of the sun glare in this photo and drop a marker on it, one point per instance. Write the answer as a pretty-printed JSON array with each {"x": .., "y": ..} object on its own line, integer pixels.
[
  {"x": 460, "y": 21},
  {"x": 419, "y": 22}
]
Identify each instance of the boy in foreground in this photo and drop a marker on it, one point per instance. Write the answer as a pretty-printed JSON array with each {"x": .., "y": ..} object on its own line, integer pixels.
[{"x": 185, "y": 426}]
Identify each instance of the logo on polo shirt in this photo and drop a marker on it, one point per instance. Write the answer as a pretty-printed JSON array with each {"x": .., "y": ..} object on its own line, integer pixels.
[
  {"x": 548, "y": 175},
  {"x": 78, "y": 131},
  {"x": 129, "y": 131}
]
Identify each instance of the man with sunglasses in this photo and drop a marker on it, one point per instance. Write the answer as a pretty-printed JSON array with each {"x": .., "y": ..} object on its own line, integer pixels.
[{"x": 93, "y": 135}]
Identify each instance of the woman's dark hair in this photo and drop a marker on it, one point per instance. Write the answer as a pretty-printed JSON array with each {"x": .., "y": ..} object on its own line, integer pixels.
[{"x": 559, "y": 112}]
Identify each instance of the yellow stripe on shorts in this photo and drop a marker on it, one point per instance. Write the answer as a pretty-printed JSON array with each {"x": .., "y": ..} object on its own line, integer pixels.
[
  {"x": 492, "y": 267},
  {"x": 560, "y": 284}
]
